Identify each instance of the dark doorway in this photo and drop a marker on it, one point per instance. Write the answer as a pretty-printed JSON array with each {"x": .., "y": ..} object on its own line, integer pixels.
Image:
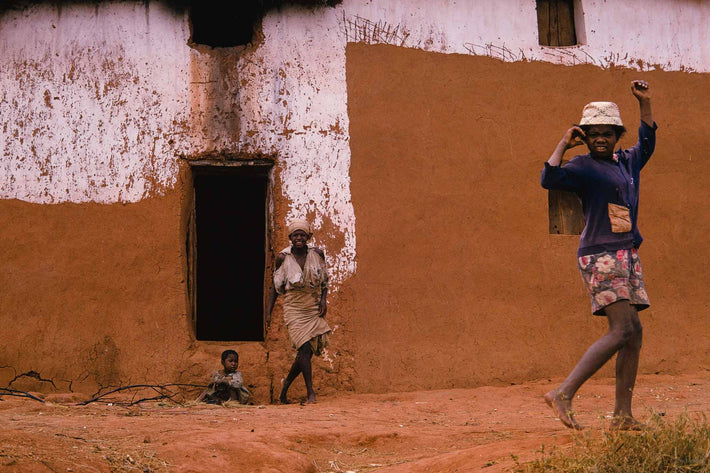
[{"x": 228, "y": 252}]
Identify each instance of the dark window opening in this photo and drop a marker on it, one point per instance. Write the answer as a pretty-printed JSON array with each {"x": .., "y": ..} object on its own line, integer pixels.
[
  {"x": 224, "y": 24},
  {"x": 566, "y": 217},
  {"x": 556, "y": 23},
  {"x": 227, "y": 244}
]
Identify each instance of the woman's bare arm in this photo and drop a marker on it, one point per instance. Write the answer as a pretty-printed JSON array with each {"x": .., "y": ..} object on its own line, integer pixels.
[{"x": 271, "y": 299}]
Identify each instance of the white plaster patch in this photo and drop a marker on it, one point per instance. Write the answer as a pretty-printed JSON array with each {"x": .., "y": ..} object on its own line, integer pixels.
[
  {"x": 296, "y": 108},
  {"x": 91, "y": 100},
  {"x": 638, "y": 34}
]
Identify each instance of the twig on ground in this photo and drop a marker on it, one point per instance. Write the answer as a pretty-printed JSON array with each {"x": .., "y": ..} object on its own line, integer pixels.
[
  {"x": 162, "y": 390},
  {"x": 155, "y": 398},
  {"x": 16, "y": 393}
]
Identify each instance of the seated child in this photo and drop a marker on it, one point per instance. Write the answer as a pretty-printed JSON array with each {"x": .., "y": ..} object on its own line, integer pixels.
[{"x": 227, "y": 384}]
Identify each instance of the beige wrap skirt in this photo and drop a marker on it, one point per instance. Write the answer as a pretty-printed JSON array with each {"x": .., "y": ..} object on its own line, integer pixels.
[{"x": 301, "y": 308}]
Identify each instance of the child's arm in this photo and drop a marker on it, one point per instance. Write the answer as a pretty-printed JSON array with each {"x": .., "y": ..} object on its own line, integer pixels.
[
  {"x": 573, "y": 137},
  {"x": 640, "y": 89},
  {"x": 210, "y": 387},
  {"x": 240, "y": 392},
  {"x": 223, "y": 380},
  {"x": 642, "y": 151},
  {"x": 564, "y": 177},
  {"x": 235, "y": 380}
]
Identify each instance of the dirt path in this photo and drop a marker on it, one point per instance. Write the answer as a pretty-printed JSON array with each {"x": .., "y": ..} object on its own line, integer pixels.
[{"x": 457, "y": 430}]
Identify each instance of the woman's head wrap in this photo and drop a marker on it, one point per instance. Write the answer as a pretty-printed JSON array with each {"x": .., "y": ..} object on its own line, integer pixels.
[
  {"x": 299, "y": 224},
  {"x": 601, "y": 113}
]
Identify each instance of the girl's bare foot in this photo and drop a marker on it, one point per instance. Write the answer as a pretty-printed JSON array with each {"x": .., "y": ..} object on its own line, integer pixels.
[
  {"x": 282, "y": 396},
  {"x": 311, "y": 399},
  {"x": 626, "y": 423},
  {"x": 562, "y": 406}
]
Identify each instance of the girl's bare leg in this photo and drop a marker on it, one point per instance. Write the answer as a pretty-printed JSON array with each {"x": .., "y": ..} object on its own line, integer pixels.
[
  {"x": 627, "y": 362},
  {"x": 622, "y": 329}
]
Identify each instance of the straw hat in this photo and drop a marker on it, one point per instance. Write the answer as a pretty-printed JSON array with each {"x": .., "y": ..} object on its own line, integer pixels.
[{"x": 601, "y": 113}]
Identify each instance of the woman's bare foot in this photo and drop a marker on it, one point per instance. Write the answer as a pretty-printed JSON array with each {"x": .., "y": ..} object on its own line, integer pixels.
[
  {"x": 311, "y": 399},
  {"x": 626, "y": 423},
  {"x": 282, "y": 396},
  {"x": 562, "y": 408}
]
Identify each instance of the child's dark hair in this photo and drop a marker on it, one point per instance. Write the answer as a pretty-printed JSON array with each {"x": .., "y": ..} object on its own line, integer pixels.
[
  {"x": 226, "y": 353},
  {"x": 619, "y": 130}
]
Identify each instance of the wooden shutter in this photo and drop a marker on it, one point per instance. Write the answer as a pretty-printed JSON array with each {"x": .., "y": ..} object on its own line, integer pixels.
[{"x": 555, "y": 23}]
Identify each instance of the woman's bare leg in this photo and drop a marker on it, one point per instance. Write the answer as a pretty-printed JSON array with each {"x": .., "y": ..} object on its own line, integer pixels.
[
  {"x": 302, "y": 364},
  {"x": 286, "y": 382},
  {"x": 307, "y": 370},
  {"x": 622, "y": 329}
]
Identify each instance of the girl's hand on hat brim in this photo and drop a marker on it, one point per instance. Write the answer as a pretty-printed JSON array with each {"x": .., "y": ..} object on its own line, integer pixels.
[{"x": 574, "y": 137}]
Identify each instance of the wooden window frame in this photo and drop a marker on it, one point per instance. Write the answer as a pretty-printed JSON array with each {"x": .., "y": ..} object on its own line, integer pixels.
[{"x": 560, "y": 23}]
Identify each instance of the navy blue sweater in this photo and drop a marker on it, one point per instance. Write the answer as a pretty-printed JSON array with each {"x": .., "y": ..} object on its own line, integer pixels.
[{"x": 600, "y": 181}]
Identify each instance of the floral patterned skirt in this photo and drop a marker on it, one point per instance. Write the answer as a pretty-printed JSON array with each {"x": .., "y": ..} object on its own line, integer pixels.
[{"x": 611, "y": 276}]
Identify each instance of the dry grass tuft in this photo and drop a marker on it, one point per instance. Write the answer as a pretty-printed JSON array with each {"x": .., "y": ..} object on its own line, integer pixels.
[
  {"x": 681, "y": 446},
  {"x": 143, "y": 462}
]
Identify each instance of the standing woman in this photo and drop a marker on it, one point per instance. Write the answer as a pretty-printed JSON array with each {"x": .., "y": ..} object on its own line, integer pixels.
[
  {"x": 607, "y": 182},
  {"x": 302, "y": 277}
]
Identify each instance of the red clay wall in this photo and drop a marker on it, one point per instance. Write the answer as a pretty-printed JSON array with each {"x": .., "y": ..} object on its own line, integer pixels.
[
  {"x": 95, "y": 296},
  {"x": 459, "y": 282},
  {"x": 91, "y": 292}
]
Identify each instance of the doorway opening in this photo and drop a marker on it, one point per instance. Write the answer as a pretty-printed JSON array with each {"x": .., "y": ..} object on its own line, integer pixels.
[{"x": 226, "y": 245}]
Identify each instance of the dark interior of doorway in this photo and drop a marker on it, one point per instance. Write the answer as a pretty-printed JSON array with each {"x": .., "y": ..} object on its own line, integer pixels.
[{"x": 230, "y": 217}]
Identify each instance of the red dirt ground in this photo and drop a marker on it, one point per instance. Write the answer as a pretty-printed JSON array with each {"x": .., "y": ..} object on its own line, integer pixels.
[{"x": 459, "y": 430}]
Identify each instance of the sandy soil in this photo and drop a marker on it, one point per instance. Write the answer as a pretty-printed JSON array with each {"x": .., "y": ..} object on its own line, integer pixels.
[{"x": 457, "y": 430}]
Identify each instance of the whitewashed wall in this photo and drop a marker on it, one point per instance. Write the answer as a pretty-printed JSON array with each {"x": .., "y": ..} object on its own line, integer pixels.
[
  {"x": 88, "y": 97},
  {"x": 98, "y": 102}
]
